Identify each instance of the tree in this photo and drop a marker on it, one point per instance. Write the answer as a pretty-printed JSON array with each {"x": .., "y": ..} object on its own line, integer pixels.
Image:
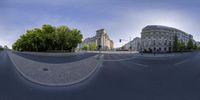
[
  {"x": 190, "y": 45},
  {"x": 93, "y": 46},
  {"x": 175, "y": 44},
  {"x": 181, "y": 46},
  {"x": 61, "y": 37},
  {"x": 195, "y": 46},
  {"x": 85, "y": 47},
  {"x": 73, "y": 39},
  {"x": 48, "y": 38}
]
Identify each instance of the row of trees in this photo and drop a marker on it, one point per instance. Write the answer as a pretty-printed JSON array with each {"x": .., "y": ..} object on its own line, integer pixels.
[
  {"x": 91, "y": 46},
  {"x": 48, "y": 38},
  {"x": 180, "y": 46}
]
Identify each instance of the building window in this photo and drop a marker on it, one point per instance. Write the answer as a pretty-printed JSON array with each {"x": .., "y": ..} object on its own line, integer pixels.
[
  {"x": 165, "y": 42},
  {"x": 170, "y": 43}
]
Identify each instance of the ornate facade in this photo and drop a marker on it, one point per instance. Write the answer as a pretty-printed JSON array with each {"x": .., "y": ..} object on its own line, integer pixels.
[
  {"x": 158, "y": 38},
  {"x": 101, "y": 39},
  {"x": 133, "y": 45},
  {"x": 198, "y": 44}
]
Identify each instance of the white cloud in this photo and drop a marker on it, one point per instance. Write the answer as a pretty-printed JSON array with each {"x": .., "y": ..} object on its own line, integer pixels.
[
  {"x": 9, "y": 34},
  {"x": 123, "y": 22},
  {"x": 130, "y": 24}
]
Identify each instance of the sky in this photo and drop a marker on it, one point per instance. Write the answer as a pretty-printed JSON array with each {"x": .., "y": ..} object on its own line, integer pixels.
[{"x": 122, "y": 19}]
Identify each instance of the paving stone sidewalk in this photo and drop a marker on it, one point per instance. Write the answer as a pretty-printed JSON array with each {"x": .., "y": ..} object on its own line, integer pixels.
[
  {"x": 50, "y": 54},
  {"x": 55, "y": 74}
]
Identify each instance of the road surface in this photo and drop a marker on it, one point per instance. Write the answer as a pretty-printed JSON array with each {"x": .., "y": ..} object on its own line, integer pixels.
[{"x": 139, "y": 78}]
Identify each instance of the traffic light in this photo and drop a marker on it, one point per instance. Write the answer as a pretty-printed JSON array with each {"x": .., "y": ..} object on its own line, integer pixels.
[{"x": 120, "y": 40}]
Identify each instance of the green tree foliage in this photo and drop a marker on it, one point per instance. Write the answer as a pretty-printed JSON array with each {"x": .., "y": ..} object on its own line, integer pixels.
[
  {"x": 49, "y": 38},
  {"x": 195, "y": 46},
  {"x": 93, "y": 46},
  {"x": 175, "y": 44},
  {"x": 190, "y": 45},
  {"x": 85, "y": 47},
  {"x": 198, "y": 48},
  {"x": 181, "y": 46}
]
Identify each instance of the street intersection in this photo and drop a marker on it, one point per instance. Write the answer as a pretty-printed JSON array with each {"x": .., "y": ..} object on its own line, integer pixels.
[{"x": 118, "y": 77}]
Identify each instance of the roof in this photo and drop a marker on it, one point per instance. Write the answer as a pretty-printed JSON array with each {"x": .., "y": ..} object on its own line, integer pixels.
[{"x": 162, "y": 27}]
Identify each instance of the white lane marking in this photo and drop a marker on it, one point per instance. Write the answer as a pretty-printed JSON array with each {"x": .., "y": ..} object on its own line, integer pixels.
[
  {"x": 120, "y": 59},
  {"x": 181, "y": 62},
  {"x": 100, "y": 63},
  {"x": 138, "y": 64}
]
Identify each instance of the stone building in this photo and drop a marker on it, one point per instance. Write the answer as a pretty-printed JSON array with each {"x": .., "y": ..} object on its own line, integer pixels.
[
  {"x": 133, "y": 45},
  {"x": 101, "y": 39},
  {"x": 157, "y": 38},
  {"x": 198, "y": 44}
]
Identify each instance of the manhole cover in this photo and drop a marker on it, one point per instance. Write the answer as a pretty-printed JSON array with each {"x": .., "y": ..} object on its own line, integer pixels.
[{"x": 45, "y": 69}]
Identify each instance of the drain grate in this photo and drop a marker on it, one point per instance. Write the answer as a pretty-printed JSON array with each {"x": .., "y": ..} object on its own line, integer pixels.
[{"x": 45, "y": 69}]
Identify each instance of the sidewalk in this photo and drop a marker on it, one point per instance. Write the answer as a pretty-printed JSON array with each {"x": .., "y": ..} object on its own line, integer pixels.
[
  {"x": 55, "y": 74},
  {"x": 136, "y": 53},
  {"x": 50, "y": 54},
  {"x": 112, "y": 52},
  {"x": 159, "y": 55}
]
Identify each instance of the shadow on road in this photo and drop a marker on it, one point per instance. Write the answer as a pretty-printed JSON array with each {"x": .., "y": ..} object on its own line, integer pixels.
[{"x": 56, "y": 59}]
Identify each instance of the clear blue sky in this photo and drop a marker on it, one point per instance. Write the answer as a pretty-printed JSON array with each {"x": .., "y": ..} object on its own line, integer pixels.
[{"x": 121, "y": 18}]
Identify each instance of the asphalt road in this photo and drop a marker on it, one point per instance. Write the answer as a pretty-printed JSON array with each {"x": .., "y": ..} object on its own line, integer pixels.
[{"x": 176, "y": 78}]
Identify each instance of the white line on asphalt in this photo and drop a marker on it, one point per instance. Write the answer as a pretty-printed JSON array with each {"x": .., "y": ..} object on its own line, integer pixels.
[
  {"x": 100, "y": 63},
  {"x": 154, "y": 58},
  {"x": 138, "y": 64},
  {"x": 181, "y": 62},
  {"x": 121, "y": 59}
]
